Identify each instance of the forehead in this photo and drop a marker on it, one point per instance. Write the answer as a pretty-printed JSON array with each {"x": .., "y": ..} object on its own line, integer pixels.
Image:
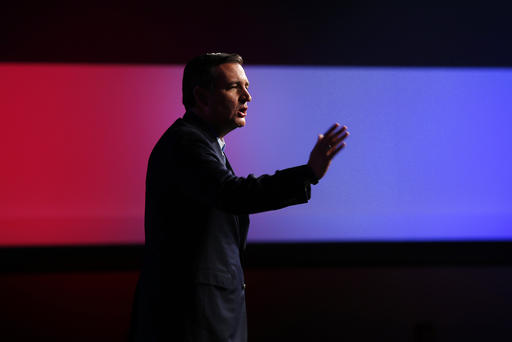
[{"x": 230, "y": 72}]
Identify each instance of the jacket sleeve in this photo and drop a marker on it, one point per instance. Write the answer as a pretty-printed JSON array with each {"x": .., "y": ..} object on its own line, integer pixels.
[{"x": 202, "y": 176}]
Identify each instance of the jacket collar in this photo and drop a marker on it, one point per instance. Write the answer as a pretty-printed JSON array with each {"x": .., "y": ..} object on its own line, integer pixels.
[{"x": 197, "y": 121}]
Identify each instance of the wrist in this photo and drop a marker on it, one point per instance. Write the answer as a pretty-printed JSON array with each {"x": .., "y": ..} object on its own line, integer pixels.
[{"x": 311, "y": 175}]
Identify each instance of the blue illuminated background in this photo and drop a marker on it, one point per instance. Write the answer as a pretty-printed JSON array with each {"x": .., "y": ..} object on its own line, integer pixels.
[{"x": 428, "y": 157}]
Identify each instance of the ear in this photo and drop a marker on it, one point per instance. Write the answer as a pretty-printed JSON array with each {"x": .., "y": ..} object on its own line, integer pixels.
[{"x": 201, "y": 97}]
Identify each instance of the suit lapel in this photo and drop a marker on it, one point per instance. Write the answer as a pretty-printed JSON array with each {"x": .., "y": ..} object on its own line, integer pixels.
[
  {"x": 228, "y": 165},
  {"x": 243, "y": 220}
]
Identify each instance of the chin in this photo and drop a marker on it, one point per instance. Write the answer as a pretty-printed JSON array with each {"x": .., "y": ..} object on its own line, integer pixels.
[{"x": 240, "y": 122}]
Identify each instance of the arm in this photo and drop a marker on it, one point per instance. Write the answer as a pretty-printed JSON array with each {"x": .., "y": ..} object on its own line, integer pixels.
[{"x": 202, "y": 176}]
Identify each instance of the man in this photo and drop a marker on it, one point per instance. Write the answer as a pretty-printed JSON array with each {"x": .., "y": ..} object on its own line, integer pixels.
[{"x": 192, "y": 285}]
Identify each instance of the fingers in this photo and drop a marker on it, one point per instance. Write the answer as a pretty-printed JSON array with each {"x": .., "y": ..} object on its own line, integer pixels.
[
  {"x": 332, "y": 134},
  {"x": 330, "y": 130},
  {"x": 339, "y": 138},
  {"x": 326, "y": 148},
  {"x": 335, "y": 152},
  {"x": 330, "y": 143}
]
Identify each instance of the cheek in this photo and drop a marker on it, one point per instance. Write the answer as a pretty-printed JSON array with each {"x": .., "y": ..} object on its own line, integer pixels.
[{"x": 228, "y": 103}]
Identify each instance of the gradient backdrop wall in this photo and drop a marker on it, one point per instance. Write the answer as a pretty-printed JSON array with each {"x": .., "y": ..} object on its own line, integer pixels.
[{"x": 428, "y": 159}]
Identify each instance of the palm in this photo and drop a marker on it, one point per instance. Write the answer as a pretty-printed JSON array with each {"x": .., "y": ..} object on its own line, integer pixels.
[{"x": 326, "y": 148}]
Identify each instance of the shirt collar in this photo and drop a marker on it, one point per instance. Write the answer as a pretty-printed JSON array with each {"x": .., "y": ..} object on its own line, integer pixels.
[{"x": 222, "y": 143}]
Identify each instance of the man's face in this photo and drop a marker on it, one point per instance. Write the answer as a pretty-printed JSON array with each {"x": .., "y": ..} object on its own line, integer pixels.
[{"x": 227, "y": 101}]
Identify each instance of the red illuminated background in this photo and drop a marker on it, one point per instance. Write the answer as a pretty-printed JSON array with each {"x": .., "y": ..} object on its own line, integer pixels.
[{"x": 76, "y": 155}]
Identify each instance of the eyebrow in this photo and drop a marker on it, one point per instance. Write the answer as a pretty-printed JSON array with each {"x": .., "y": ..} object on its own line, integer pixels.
[{"x": 238, "y": 83}]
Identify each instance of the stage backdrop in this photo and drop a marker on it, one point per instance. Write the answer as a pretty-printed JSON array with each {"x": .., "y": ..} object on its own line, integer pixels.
[{"x": 428, "y": 158}]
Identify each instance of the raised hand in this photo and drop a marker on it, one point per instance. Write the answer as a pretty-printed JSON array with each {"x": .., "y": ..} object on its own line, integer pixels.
[{"x": 327, "y": 146}]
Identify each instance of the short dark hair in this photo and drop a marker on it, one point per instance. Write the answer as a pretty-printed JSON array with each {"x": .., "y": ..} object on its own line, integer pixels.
[{"x": 199, "y": 72}]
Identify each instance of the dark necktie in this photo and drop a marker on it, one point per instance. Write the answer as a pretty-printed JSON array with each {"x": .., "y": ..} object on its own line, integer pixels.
[{"x": 223, "y": 155}]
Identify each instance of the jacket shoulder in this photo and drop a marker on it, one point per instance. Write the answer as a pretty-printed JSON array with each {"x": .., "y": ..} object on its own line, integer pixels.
[{"x": 180, "y": 133}]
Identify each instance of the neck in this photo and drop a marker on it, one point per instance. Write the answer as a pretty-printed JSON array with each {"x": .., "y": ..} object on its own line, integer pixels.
[{"x": 217, "y": 127}]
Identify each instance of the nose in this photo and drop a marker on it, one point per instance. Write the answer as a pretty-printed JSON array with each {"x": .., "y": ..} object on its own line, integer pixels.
[{"x": 246, "y": 97}]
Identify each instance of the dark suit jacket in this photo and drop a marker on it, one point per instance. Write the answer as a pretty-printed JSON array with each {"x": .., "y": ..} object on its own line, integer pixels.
[{"x": 191, "y": 286}]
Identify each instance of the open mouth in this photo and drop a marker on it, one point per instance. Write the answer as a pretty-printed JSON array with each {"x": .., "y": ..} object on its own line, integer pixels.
[{"x": 242, "y": 112}]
